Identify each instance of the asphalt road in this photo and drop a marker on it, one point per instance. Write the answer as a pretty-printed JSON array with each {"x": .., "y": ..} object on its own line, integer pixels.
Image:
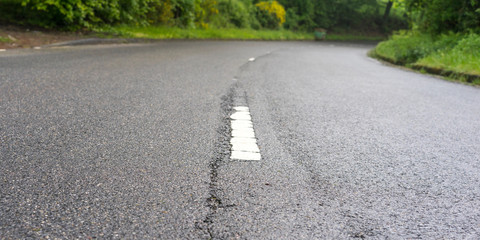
[{"x": 132, "y": 142}]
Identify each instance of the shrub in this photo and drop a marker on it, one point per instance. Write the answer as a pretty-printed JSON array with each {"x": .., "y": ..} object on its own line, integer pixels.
[
  {"x": 233, "y": 13},
  {"x": 271, "y": 14},
  {"x": 204, "y": 11},
  {"x": 291, "y": 20},
  {"x": 184, "y": 13},
  {"x": 160, "y": 12}
]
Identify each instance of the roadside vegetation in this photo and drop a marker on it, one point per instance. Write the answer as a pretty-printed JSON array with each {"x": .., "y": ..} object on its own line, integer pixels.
[
  {"x": 225, "y": 19},
  {"x": 162, "y": 32},
  {"x": 443, "y": 39},
  {"x": 4, "y": 40}
]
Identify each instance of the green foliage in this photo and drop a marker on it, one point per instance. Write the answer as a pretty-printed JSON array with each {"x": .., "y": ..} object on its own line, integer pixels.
[
  {"x": 464, "y": 57},
  {"x": 5, "y": 40},
  {"x": 292, "y": 20},
  {"x": 160, "y": 12},
  {"x": 409, "y": 47},
  {"x": 452, "y": 51},
  {"x": 75, "y": 14},
  {"x": 300, "y": 15},
  {"x": 184, "y": 13},
  {"x": 439, "y": 16},
  {"x": 205, "y": 10},
  {"x": 233, "y": 13},
  {"x": 270, "y": 14}
]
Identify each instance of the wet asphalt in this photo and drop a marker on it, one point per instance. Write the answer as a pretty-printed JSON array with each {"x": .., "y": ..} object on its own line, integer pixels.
[{"x": 132, "y": 142}]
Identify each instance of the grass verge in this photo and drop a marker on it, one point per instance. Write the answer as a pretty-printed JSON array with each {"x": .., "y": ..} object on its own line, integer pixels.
[
  {"x": 5, "y": 40},
  {"x": 162, "y": 32},
  {"x": 452, "y": 55}
]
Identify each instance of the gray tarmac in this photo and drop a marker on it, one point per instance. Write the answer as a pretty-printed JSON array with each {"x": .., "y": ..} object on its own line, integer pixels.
[{"x": 132, "y": 142}]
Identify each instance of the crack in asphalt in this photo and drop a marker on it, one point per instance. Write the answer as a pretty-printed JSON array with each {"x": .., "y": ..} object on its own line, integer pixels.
[
  {"x": 221, "y": 154},
  {"x": 233, "y": 97}
]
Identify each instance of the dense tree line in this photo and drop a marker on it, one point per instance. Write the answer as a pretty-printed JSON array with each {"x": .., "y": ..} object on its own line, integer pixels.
[
  {"x": 304, "y": 15},
  {"x": 440, "y": 16},
  {"x": 434, "y": 16}
]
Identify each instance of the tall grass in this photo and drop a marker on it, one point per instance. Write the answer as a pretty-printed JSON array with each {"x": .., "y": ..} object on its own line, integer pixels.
[
  {"x": 464, "y": 57},
  {"x": 457, "y": 53}
]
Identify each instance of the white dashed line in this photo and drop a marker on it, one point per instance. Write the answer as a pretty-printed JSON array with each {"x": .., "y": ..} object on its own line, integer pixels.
[
  {"x": 241, "y": 116},
  {"x": 242, "y": 109},
  {"x": 246, "y": 156},
  {"x": 245, "y": 147},
  {"x": 238, "y": 124},
  {"x": 251, "y": 59},
  {"x": 244, "y": 133},
  {"x": 242, "y": 140},
  {"x": 244, "y": 143}
]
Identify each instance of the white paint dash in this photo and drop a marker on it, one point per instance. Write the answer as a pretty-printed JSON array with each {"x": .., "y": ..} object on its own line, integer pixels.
[
  {"x": 240, "y": 140},
  {"x": 238, "y": 124},
  {"x": 246, "y": 147},
  {"x": 241, "y": 116},
  {"x": 244, "y": 133},
  {"x": 243, "y": 141},
  {"x": 241, "y": 109},
  {"x": 246, "y": 156}
]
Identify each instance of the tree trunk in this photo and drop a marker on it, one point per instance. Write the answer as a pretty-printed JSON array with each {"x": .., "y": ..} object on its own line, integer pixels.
[{"x": 387, "y": 10}]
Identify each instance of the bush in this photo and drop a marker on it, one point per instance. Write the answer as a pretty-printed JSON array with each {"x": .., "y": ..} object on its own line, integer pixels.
[
  {"x": 161, "y": 12},
  {"x": 270, "y": 14},
  {"x": 291, "y": 20},
  {"x": 184, "y": 13},
  {"x": 440, "y": 16},
  {"x": 233, "y": 13},
  {"x": 86, "y": 14},
  {"x": 77, "y": 14},
  {"x": 204, "y": 11}
]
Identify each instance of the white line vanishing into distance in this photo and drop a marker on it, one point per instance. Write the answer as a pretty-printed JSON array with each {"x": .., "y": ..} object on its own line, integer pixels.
[{"x": 244, "y": 143}]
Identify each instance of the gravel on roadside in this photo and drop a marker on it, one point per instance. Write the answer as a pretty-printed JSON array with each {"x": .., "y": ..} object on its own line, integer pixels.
[{"x": 19, "y": 37}]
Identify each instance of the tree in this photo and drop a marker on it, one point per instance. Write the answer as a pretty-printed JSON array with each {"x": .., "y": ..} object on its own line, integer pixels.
[{"x": 388, "y": 8}]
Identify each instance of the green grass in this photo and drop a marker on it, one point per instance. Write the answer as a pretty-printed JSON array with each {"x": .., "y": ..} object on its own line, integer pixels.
[
  {"x": 353, "y": 37},
  {"x": 448, "y": 53},
  {"x": 162, "y": 32},
  {"x": 5, "y": 40},
  {"x": 463, "y": 58}
]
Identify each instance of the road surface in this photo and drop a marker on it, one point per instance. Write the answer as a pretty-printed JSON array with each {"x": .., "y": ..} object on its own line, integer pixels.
[{"x": 133, "y": 142}]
